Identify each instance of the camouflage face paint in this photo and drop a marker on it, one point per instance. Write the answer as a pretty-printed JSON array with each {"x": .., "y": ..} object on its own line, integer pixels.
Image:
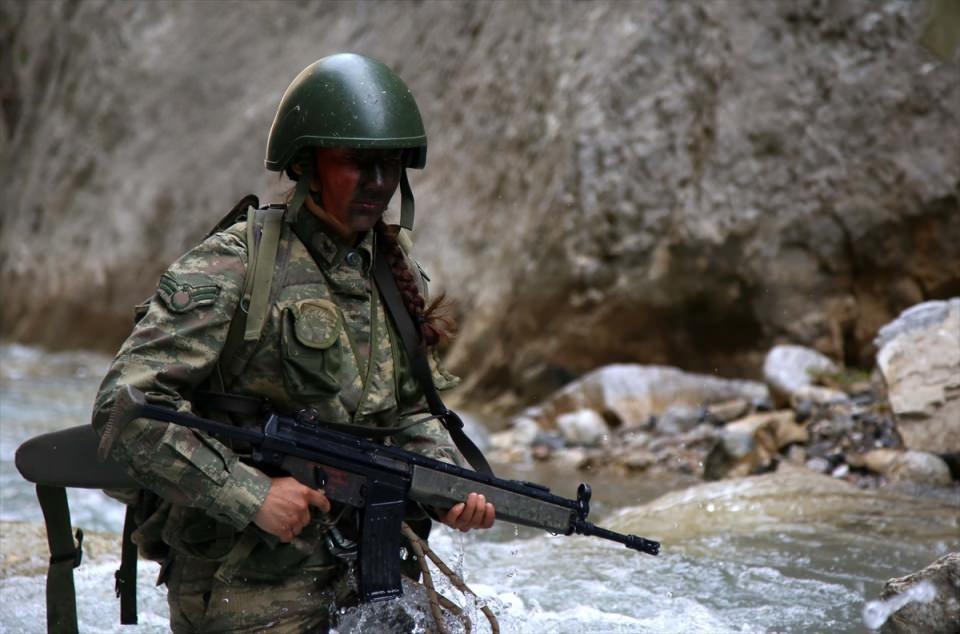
[{"x": 356, "y": 185}]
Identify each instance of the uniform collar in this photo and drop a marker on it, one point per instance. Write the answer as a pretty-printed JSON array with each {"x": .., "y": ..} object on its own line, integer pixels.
[{"x": 328, "y": 248}]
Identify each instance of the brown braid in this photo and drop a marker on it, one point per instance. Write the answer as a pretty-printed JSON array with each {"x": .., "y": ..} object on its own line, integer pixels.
[{"x": 433, "y": 321}]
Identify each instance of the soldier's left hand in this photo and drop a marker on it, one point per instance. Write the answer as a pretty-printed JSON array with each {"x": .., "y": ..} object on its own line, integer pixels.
[{"x": 476, "y": 512}]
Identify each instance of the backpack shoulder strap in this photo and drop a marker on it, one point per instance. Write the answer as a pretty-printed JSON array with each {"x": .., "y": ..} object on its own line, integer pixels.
[
  {"x": 263, "y": 239},
  {"x": 235, "y": 215}
]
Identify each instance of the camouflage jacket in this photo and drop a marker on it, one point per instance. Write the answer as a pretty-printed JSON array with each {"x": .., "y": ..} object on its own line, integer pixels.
[{"x": 327, "y": 344}]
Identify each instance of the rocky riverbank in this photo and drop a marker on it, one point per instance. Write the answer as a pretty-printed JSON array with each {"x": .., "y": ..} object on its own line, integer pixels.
[
  {"x": 898, "y": 424},
  {"x": 816, "y": 426}
]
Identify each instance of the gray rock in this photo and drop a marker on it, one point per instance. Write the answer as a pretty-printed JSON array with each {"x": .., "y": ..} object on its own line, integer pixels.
[
  {"x": 818, "y": 464},
  {"x": 679, "y": 419},
  {"x": 940, "y": 614},
  {"x": 638, "y": 459},
  {"x": 918, "y": 467},
  {"x": 631, "y": 394},
  {"x": 919, "y": 357},
  {"x": 728, "y": 410},
  {"x": 525, "y": 429},
  {"x": 787, "y": 369},
  {"x": 583, "y": 427}
]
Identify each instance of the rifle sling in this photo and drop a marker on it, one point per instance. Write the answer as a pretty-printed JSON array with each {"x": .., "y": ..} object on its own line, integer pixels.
[
  {"x": 65, "y": 555},
  {"x": 418, "y": 361}
]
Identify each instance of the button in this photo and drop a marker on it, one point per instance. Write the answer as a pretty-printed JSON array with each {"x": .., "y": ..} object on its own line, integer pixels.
[{"x": 354, "y": 259}]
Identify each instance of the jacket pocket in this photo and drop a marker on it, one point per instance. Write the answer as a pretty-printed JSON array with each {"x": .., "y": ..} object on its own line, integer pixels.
[{"x": 312, "y": 349}]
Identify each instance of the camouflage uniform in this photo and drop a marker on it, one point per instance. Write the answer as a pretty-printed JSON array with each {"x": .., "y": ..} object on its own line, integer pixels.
[{"x": 327, "y": 344}]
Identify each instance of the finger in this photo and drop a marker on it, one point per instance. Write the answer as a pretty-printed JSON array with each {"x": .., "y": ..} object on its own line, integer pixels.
[
  {"x": 454, "y": 514},
  {"x": 489, "y": 514},
  {"x": 319, "y": 500},
  {"x": 466, "y": 512},
  {"x": 476, "y": 509}
]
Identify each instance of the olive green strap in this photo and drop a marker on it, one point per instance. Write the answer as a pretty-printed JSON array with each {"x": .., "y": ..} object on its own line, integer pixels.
[
  {"x": 126, "y": 575},
  {"x": 65, "y": 555},
  {"x": 263, "y": 265},
  {"x": 263, "y": 238}
]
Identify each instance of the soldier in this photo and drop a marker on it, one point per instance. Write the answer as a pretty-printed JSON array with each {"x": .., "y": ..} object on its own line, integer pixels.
[{"x": 244, "y": 550}]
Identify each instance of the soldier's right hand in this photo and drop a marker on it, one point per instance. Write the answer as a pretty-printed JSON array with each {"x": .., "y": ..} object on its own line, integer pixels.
[{"x": 287, "y": 508}]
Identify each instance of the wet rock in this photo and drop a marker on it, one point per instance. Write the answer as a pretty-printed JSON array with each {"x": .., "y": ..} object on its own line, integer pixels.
[
  {"x": 572, "y": 458},
  {"x": 905, "y": 466},
  {"x": 631, "y": 394},
  {"x": 940, "y": 615},
  {"x": 679, "y": 419},
  {"x": 727, "y": 411},
  {"x": 638, "y": 459},
  {"x": 583, "y": 427},
  {"x": 819, "y": 464},
  {"x": 919, "y": 357},
  {"x": 788, "y": 368},
  {"x": 750, "y": 445},
  {"x": 524, "y": 430},
  {"x": 818, "y": 396},
  {"x": 790, "y": 496}
]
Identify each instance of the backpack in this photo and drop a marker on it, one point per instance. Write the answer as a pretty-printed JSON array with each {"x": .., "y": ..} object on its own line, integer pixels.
[{"x": 67, "y": 458}]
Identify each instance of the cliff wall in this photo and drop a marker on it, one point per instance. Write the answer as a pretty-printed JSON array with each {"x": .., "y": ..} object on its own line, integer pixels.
[{"x": 653, "y": 182}]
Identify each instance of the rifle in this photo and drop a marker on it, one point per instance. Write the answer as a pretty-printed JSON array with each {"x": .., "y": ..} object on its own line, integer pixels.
[{"x": 378, "y": 481}]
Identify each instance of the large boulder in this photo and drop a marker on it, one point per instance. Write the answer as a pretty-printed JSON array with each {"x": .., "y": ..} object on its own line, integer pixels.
[
  {"x": 787, "y": 499},
  {"x": 598, "y": 190},
  {"x": 919, "y": 357},
  {"x": 789, "y": 369},
  {"x": 936, "y": 606},
  {"x": 630, "y": 395}
]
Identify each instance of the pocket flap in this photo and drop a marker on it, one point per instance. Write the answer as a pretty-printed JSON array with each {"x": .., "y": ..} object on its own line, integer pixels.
[{"x": 316, "y": 323}]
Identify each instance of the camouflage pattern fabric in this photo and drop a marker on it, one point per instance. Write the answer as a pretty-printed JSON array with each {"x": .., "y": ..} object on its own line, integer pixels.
[{"x": 327, "y": 344}]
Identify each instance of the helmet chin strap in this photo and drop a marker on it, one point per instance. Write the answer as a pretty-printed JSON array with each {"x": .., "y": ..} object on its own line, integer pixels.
[
  {"x": 301, "y": 191},
  {"x": 406, "y": 202}
]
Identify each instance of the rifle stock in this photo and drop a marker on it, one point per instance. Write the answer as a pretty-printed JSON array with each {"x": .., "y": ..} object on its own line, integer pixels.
[{"x": 378, "y": 480}]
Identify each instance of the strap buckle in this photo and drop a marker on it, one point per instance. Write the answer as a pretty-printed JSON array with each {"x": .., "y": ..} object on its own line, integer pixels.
[{"x": 76, "y": 556}]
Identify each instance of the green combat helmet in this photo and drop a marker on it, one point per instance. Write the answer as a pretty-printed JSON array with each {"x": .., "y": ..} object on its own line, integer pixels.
[{"x": 347, "y": 101}]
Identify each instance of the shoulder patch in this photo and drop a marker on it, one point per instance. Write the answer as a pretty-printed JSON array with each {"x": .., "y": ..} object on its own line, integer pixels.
[{"x": 181, "y": 296}]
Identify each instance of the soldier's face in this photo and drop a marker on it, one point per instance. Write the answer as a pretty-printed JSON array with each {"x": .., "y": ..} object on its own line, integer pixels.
[{"x": 356, "y": 185}]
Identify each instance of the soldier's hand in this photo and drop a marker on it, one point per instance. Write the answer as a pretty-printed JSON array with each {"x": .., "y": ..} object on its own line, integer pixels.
[
  {"x": 476, "y": 512},
  {"x": 287, "y": 508}
]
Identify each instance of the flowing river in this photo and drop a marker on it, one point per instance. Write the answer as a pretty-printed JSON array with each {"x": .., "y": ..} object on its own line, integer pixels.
[{"x": 753, "y": 555}]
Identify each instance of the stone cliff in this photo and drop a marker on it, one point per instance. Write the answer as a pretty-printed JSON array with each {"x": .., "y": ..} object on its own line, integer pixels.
[{"x": 650, "y": 182}]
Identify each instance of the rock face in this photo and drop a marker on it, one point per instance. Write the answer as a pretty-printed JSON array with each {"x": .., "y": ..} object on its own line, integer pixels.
[
  {"x": 656, "y": 182},
  {"x": 919, "y": 356},
  {"x": 940, "y": 615}
]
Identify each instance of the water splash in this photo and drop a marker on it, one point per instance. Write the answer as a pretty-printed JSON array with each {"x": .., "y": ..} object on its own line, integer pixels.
[{"x": 876, "y": 613}]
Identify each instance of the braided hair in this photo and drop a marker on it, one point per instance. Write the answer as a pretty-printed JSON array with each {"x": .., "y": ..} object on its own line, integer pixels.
[{"x": 433, "y": 320}]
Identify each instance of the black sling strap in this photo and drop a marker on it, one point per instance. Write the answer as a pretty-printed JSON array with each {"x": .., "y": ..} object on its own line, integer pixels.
[
  {"x": 64, "y": 557},
  {"x": 126, "y": 575},
  {"x": 418, "y": 362}
]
